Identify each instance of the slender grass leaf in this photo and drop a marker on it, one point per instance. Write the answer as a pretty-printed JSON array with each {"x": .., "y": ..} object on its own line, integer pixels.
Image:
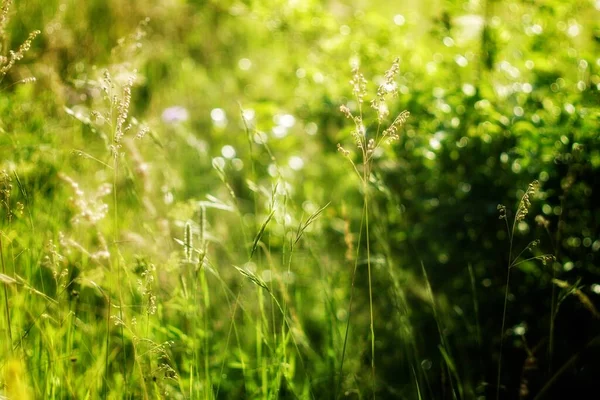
[
  {"x": 7, "y": 279},
  {"x": 452, "y": 368},
  {"x": 309, "y": 220},
  {"x": 253, "y": 277},
  {"x": 260, "y": 233}
]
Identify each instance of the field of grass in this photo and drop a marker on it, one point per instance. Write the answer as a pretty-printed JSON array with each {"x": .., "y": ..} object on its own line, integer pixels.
[{"x": 320, "y": 199}]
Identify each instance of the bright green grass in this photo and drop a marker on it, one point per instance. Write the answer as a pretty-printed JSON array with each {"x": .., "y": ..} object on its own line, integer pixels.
[{"x": 235, "y": 253}]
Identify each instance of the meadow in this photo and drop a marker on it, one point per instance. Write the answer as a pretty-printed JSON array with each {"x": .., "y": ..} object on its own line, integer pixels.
[{"x": 318, "y": 199}]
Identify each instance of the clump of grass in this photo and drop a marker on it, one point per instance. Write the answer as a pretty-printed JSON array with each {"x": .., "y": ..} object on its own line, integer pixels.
[
  {"x": 367, "y": 142},
  {"x": 111, "y": 119},
  {"x": 521, "y": 213},
  {"x": 194, "y": 267}
]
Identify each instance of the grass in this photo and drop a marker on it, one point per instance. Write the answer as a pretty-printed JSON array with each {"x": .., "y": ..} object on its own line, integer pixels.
[{"x": 176, "y": 222}]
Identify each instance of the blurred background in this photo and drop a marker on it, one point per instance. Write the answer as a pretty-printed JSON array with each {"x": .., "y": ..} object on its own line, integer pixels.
[{"x": 241, "y": 102}]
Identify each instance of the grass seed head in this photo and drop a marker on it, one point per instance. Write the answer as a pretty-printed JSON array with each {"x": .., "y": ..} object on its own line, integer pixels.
[
  {"x": 525, "y": 203},
  {"x": 188, "y": 244},
  {"x": 359, "y": 85},
  {"x": 14, "y": 56}
]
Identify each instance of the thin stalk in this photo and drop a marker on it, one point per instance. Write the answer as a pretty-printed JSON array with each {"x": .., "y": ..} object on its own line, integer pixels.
[
  {"x": 232, "y": 328},
  {"x": 192, "y": 380},
  {"x": 502, "y": 335},
  {"x": 444, "y": 345},
  {"x": 141, "y": 371},
  {"x": 193, "y": 299},
  {"x": 118, "y": 258},
  {"x": 511, "y": 236},
  {"x": 206, "y": 299},
  {"x": 352, "y": 287},
  {"x": 259, "y": 345},
  {"x": 475, "y": 304},
  {"x": 528, "y": 259},
  {"x": 553, "y": 305},
  {"x": 284, "y": 295},
  {"x": 366, "y": 201},
  {"x": 7, "y": 309},
  {"x": 106, "y": 356}
]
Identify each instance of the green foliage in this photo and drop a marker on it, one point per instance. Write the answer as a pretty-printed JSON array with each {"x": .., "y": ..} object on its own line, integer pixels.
[{"x": 178, "y": 221}]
